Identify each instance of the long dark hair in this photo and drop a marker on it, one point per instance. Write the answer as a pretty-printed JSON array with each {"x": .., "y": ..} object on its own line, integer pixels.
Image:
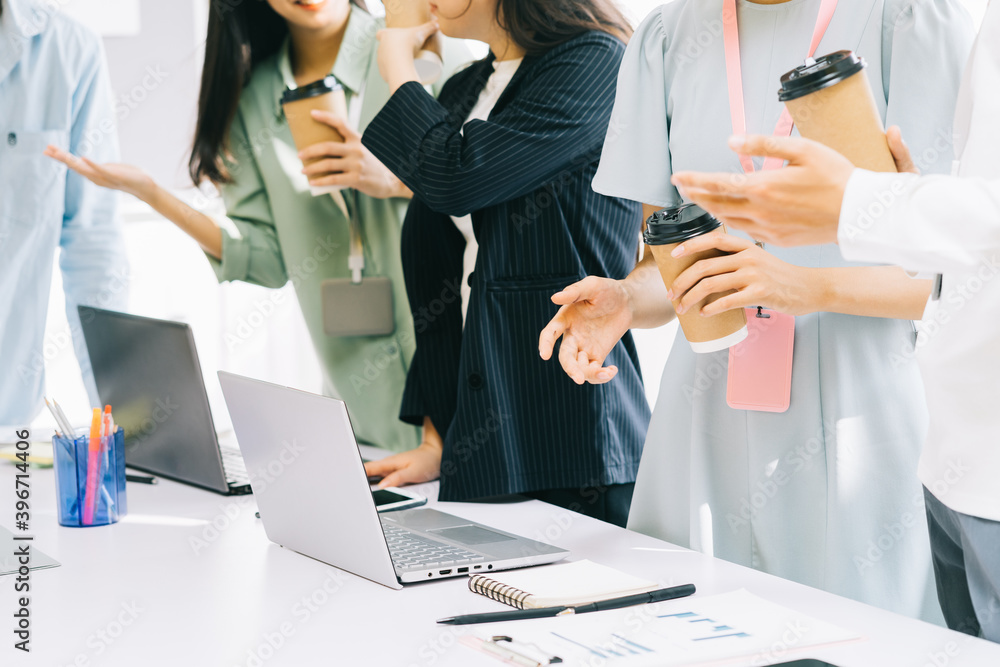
[
  {"x": 241, "y": 34},
  {"x": 539, "y": 25}
]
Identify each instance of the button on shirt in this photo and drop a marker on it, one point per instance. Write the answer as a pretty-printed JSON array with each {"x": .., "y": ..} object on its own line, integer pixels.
[{"x": 54, "y": 89}]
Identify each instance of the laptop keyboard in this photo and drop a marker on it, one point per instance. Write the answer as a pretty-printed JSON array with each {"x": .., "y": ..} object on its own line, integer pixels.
[
  {"x": 234, "y": 467},
  {"x": 410, "y": 550}
]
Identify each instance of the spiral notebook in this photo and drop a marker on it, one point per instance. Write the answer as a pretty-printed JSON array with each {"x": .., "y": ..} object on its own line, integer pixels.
[{"x": 567, "y": 584}]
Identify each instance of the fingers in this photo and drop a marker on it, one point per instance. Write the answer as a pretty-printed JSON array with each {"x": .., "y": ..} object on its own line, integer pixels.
[
  {"x": 700, "y": 270},
  {"x": 900, "y": 151},
  {"x": 747, "y": 226},
  {"x": 708, "y": 287},
  {"x": 328, "y": 166},
  {"x": 59, "y": 154},
  {"x": 793, "y": 149},
  {"x": 344, "y": 180},
  {"x": 336, "y": 122},
  {"x": 325, "y": 149},
  {"x": 723, "y": 242},
  {"x": 730, "y": 302},
  {"x": 723, "y": 184},
  {"x": 79, "y": 165},
  {"x": 578, "y": 291},
  {"x": 423, "y": 32},
  {"x": 550, "y": 334},
  {"x": 596, "y": 373},
  {"x": 382, "y": 467},
  {"x": 398, "y": 478},
  {"x": 569, "y": 353},
  {"x": 603, "y": 375}
]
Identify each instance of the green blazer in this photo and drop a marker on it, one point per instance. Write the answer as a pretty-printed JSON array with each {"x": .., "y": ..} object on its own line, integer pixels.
[{"x": 281, "y": 233}]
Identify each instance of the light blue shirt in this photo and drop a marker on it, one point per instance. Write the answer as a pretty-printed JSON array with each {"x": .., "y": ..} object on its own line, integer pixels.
[{"x": 54, "y": 89}]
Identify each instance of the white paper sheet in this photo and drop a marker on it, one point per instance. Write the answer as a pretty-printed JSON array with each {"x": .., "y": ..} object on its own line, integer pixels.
[{"x": 690, "y": 631}]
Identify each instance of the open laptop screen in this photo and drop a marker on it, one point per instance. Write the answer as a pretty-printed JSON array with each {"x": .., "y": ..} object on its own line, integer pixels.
[{"x": 148, "y": 371}]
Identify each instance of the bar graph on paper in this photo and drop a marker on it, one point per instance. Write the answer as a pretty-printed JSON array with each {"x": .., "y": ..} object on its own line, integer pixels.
[
  {"x": 680, "y": 632},
  {"x": 672, "y": 631}
]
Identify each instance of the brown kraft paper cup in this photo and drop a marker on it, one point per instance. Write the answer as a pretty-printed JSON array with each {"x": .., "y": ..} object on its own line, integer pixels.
[
  {"x": 831, "y": 102},
  {"x": 705, "y": 334},
  {"x": 306, "y": 130},
  {"x": 411, "y": 13}
]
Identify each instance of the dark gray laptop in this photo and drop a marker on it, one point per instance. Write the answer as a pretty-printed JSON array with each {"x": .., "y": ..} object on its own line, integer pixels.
[
  {"x": 317, "y": 502},
  {"x": 148, "y": 371}
]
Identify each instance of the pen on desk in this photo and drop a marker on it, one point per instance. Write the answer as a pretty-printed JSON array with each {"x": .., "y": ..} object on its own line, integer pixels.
[
  {"x": 141, "y": 479},
  {"x": 93, "y": 461},
  {"x": 547, "y": 612}
]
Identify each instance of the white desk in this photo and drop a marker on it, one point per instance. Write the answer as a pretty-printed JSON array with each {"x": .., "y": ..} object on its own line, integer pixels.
[{"x": 189, "y": 579}]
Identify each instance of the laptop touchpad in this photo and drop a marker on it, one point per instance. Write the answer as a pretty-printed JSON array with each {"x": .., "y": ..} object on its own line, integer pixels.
[{"x": 470, "y": 535}]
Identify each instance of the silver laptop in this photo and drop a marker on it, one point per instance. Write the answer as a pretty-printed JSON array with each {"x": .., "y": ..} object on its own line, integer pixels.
[
  {"x": 148, "y": 371},
  {"x": 314, "y": 498}
]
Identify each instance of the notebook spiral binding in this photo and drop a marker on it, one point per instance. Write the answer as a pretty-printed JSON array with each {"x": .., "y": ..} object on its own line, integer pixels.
[{"x": 494, "y": 590}]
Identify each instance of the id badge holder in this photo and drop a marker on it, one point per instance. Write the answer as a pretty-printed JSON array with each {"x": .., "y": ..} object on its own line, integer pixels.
[
  {"x": 760, "y": 367},
  {"x": 357, "y": 306}
]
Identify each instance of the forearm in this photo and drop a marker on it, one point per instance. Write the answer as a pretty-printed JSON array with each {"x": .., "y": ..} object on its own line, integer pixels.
[
  {"x": 647, "y": 295},
  {"x": 196, "y": 224},
  {"x": 934, "y": 224},
  {"x": 870, "y": 291}
]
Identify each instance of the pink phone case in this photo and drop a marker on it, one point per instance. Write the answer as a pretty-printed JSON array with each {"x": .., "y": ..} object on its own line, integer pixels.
[{"x": 760, "y": 368}]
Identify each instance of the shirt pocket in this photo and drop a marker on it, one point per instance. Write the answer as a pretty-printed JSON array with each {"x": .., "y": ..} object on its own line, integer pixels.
[{"x": 34, "y": 186}]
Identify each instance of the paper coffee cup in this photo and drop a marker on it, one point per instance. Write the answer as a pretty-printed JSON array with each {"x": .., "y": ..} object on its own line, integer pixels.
[
  {"x": 324, "y": 95},
  {"x": 831, "y": 102},
  {"x": 410, "y": 13},
  {"x": 667, "y": 229}
]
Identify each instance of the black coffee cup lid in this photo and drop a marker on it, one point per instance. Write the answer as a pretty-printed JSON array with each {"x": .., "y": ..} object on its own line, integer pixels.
[
  {"x": 680, "y": 223},
  {"x": 820, "y": 73},
  {"x": 325, "y": 85}
]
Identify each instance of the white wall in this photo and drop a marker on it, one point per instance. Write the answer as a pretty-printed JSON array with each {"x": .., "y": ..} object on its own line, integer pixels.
[{"x": 171, "y": 278}]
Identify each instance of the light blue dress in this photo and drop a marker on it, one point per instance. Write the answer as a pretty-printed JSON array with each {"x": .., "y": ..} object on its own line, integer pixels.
[{"x": 826, "y": 493}]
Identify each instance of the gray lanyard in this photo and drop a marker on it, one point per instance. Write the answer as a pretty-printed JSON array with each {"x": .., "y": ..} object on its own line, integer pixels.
[{"x": 356, "y": 261}]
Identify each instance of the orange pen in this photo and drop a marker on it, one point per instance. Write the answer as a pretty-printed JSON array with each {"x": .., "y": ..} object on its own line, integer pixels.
[{"x": 93, "y": 462}]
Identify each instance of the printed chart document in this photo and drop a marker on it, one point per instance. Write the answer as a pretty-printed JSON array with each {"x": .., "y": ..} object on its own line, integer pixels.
[{"x": 691, "y": 631}]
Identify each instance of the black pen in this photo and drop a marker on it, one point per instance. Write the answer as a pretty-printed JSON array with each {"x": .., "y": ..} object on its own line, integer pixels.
[
  {"x": 548, "y": 612},
  {"x": 141, "y": 479}
]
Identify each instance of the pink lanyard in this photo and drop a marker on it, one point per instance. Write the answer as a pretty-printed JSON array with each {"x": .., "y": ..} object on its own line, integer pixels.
[{"x": 734, "y": 74}]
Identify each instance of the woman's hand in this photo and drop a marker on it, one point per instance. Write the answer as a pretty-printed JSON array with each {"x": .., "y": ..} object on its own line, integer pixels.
[
  {"x": 398, "y": 47},
  {"x": 595, "y": 314},
  {"x": 416, "y": 466},
  {"x": 759, "y": 278},
  {"x": 349, "y": 164},
  {"x": 123, "y": 177},
  {"x": 900, "y": 151}
]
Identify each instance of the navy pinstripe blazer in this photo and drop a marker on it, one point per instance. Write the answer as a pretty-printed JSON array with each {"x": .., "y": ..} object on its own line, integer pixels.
[{"x": 510, "y": 421}]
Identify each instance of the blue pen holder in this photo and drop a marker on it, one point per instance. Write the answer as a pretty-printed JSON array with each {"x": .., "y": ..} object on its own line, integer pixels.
[{"x": 71, "y": 458}]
